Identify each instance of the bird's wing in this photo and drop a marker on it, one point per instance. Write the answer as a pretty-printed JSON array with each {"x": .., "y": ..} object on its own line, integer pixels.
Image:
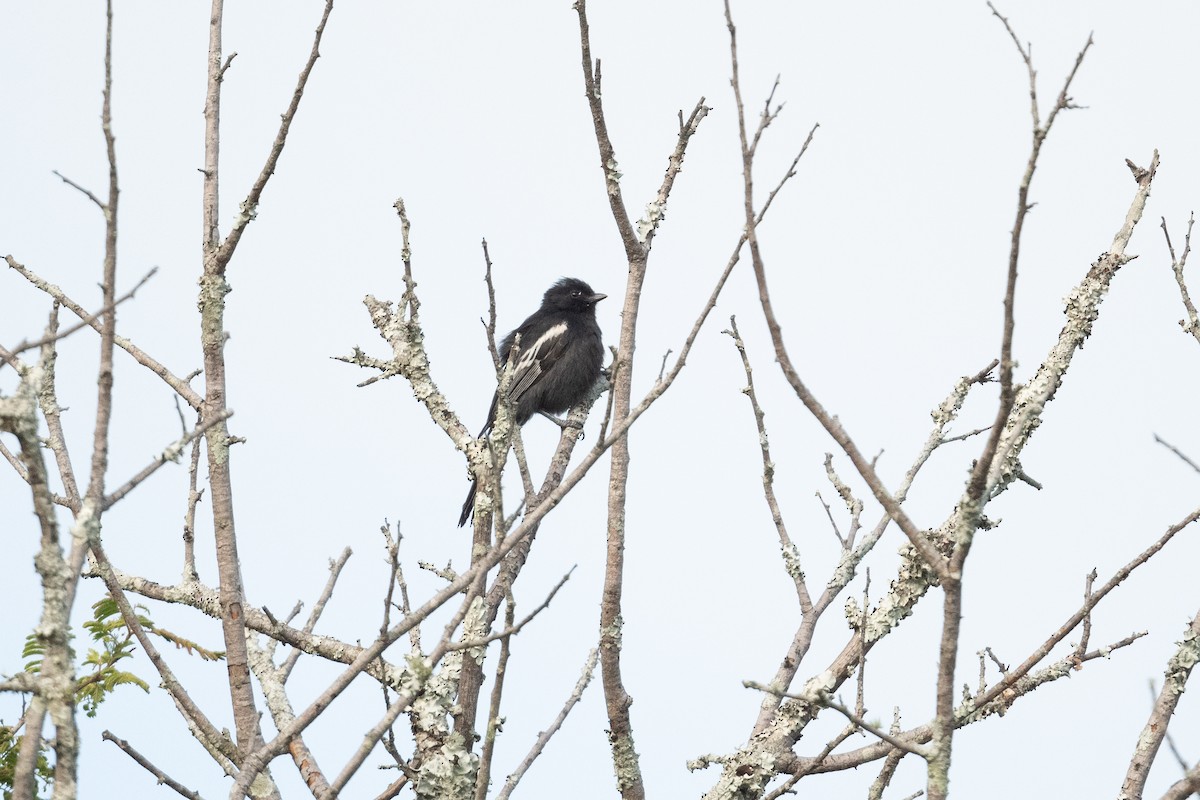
[{"x": 536, "y": 358}]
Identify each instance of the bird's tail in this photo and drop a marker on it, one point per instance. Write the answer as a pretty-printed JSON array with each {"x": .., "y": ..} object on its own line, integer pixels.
[{"x": 469, "y": 506}]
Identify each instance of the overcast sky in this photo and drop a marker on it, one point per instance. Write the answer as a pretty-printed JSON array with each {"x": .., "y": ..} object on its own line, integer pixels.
[{"x": 886, "y": 257}]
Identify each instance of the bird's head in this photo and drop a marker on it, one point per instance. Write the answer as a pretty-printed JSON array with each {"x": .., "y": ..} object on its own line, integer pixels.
[{"x": 571, "y": 294}]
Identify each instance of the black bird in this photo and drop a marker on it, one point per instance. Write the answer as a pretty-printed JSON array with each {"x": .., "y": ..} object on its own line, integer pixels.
[{"x": 558, "y": 361}]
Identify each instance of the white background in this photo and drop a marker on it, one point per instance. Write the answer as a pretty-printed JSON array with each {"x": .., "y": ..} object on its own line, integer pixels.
[{"x": 886, "y": 256}]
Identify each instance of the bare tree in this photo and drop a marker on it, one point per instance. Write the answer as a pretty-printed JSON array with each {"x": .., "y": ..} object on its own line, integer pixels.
[{"x": 438, "y": 678}]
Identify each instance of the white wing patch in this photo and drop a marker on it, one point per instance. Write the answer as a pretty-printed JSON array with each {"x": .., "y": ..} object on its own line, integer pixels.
[{"x": 528, "y": 366}]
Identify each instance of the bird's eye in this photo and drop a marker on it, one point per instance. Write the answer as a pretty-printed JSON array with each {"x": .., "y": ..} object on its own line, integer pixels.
[{"x": 576, "y": 293}]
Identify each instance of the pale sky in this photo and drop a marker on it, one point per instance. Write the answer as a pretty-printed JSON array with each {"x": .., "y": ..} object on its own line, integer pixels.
[{"x": 886, "y": 255}]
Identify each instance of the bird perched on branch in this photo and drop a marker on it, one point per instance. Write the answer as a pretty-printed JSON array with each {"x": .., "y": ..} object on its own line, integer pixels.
[{"x": 558, "y": 359}]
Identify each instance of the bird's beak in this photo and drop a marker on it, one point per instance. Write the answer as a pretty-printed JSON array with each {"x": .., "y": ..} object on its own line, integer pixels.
[{"x": 596, "y": 298}]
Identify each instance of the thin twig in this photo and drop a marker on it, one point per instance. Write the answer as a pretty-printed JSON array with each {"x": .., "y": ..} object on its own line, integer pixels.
[
  {"x": 1192, "y": 323},
  {"x": 1177, "y": 452},
  {"x": 169, "y": 454},
  {"x": 790, "y": 552},
  {"x": 85, "y": 192},
  {"x": 830, "y": 746},
  {"x": 490, "y": 325},
  {"x": 894, "y": 741},
  {"x": 544, "y": 737},
  {"x": 637, "y": 240},
  {"x": 831, "y": 424},
  {"x": 161, "y": 776},
  {"x": 249, "y": 206},
  {"x": 1081, "y": 648},
  {"x": 178, "y": 384},
  {"x": 483, "y": 774},
  {"x": 216, "y": 742},
  {"x": 84, "y": 323},
  {"x": 513, "y": 630},
  {"x": 189, "y": 517},
  {"x": 335, "y": 570}
]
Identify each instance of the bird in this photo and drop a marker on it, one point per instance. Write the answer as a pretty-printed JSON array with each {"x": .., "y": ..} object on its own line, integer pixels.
[{"x": 559, "y": 358}]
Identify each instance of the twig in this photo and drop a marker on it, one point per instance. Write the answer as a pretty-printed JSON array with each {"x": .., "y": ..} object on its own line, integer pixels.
[
  {"x": 962, "y": 436},
  {"x": 179, "y": 385},
  {"x": 1081, "y": 648},
  {"x": 637, "y": 241},
  {"x": 879, "y": 623},
  {"x": 249, "y": 206},
  {"x": 1185, "y": 787},
  {"x": 169, "y": 454},
  {"x": 663, "y": 366},
  {"x": 1192, "y": 323},
  {"x": 490, "y": 325},
  {"x": 832, "y": 522},
  {"x": 966, "y": 714},
  {"x": 1007, "y": 395},
  {"x": 831, "y": 424},
  {"x": 861, "y": 681},
  {"x": 275, "y": 696},
  {"x": 853, "y": 504},
  {"x": 423, "y": 674},
  {"x": 513, "y": 630},
  {"x": 393, "y": 788},
  {"x": 12, "y": 459},
  {"x": 85, "y": 192},
  {"x": 830, "y": 746},
  {"x": 1177, "y": 452},
  {"x": 189, "y": 517},
  {"x": 483, "y": 774},
  {"x": 218, "y": 744},
  {"x": 7, "y": 355},
  {"x": 829, "y": 702},
  {"x": 999, "y": 664},
  {"x": 544, "y": 737},
  {"x": 335, "y": 570},
  {"x": 790, "y": 553},
  {"x": 48, "y": 402},
  {"x": 894, "y": 741},
  {"x": 162, "y": 777},
  {"x": 1016, "y": 673},
  {"x": 886, "y": 773}
]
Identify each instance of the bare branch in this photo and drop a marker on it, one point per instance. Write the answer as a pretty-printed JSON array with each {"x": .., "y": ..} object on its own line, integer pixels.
[
  {"x": 1007, "y": 396},
  {"x": 490, "y": 325},
  {"x": 1179, "y": 669},
  {"x": 1081, "y": 648},
  {"x": 271, "y": 679},
  {"x": 189, "y": 516},
  {"x": 335, "y": 570},
  {"x": 832, "y": 425},
  {"x": 1192, "y": 323},
  {"x": 169, "y": 454},
  {"x": 483, "y": 774},
  {"x": 1177, "y": 452},
  {"x": 249, "y": 206},
  {"x": 544, "y": 737},
  {"x": 216, "y": 742},
  {"x": 791, "y": 555},
  {"x": 1185, "y": 787},
  {"x": 85, "y": 192},
  {"x": 7, "y": 355},
  {"x": 178, "y": 384},
  {"x": 513, "y": 630},
  {"x": 859, "y": 722},
  {"x": 161, "y": 776}
]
